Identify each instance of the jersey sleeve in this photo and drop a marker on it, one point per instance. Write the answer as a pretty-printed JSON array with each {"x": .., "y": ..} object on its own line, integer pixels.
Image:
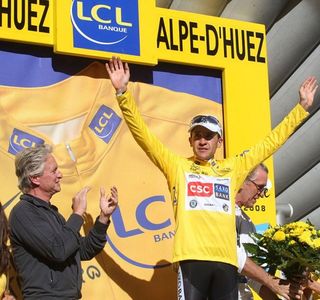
[
  {"x": 159, "y": 154},
  {"x": 246, "y": 161}
]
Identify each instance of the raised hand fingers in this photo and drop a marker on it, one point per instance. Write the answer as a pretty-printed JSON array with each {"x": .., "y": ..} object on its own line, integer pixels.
[
  {"x": 114, "y": 64},
  {"x": 126, "y": 68},
  {"x": 110, "y": 198},
  {"x": 114, "y": 193},
  {"x": 113, "y": 199},
  {"x": 307, "y": 91},
  {"x": 102, "y": 192},
  {"x": 82, "y": 193},
  {"x": 117, "y": 63},
  {"x": 110, "y": 66},
  {"x": 310, "y": 84},
  {"x": 79, "y": 202},
  {"x": 313, "y": 86}
]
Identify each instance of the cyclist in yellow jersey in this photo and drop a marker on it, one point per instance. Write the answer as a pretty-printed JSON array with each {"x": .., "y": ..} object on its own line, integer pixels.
[{"x": 203, "y": 189}]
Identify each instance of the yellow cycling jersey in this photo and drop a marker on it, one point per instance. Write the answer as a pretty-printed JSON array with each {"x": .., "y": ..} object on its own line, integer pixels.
[{"x": 203, "y": 192}]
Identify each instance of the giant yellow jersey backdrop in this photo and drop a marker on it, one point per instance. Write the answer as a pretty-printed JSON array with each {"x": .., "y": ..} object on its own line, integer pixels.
[{"x": 80, "y": 117}]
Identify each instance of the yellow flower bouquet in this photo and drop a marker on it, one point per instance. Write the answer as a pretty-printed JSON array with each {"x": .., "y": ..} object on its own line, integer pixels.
[{"x": 291, "y": 248}]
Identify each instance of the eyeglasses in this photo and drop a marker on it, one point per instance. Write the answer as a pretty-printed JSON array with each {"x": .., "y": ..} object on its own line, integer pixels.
[
  {"x": 260, "y": 187},
  {"x": 205, "y": 119}
]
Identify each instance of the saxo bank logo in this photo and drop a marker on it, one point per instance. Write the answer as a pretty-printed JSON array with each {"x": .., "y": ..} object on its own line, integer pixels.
[
  {"x": 20, "y": 140},
  {"x": 106, "y": 25}
]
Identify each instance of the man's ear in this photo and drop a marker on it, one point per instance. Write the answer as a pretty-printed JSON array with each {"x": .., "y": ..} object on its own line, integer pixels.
[
  {"x": 220, "y": 142},
  {"x": 34, "y": 180},
  {"x": 190, "y": 141}
]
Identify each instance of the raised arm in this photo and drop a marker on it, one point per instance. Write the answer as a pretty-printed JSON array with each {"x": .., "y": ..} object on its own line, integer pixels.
[
  {"x": 279, "y": 135},
  {"x": 159, "y": 154},
  {"x": 94, "y": 241},
  {"x": 119, "y": 74},
  {"x": 307, "y": 91}
]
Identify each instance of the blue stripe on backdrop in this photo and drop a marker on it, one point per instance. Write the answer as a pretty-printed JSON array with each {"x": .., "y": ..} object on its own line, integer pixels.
[
  {"x": 31, "y": 66},
  {"x": 202, "y": 82}
]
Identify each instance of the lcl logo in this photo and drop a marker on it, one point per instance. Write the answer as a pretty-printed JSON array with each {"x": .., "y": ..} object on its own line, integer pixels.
[
  {"x": 111, "y": 26},
  {"x": 101, "y": 13},
  {"x": 20, "y": 140},
  {"x": 105, "y": 123},
  {"x": 144, "y": 233}
]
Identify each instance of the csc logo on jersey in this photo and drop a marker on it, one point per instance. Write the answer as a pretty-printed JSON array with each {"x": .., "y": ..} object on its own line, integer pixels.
[
  {"x": 200, "y": 189},
  {"x": 20, "y": 140},
  {"x": 105, "y": 123},
  {"x": 144, "y": 233},
  {"x": 111, "y": 26}
]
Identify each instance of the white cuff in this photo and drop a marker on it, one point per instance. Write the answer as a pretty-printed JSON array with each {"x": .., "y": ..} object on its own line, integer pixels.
[{"x": 242, "y": 257}]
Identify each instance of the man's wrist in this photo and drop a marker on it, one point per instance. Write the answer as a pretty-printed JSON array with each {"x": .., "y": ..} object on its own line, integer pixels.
[
  {"x": 80, "y": 213},
  {"x": 268, "y": 280},
  {"x": 121, "y": 91},
  {"x": 105, "y": 219}
]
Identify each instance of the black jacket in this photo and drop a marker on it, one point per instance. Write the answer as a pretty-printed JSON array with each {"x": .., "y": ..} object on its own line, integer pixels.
[{"x": 47, "y": 249}]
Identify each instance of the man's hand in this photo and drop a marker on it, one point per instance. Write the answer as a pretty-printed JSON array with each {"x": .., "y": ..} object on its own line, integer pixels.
[
  {"x": 307, "y": 91},
  {"x": 108, "y": 204},
  {"x": 307, "y": 283},
  {"x": 79, "y": 201},
  {"x": 119, "y": 74},
  {"x": 276, "y": 286},
  {"x": 273, "y": 286},
  {"x": 295, "y": 290}
]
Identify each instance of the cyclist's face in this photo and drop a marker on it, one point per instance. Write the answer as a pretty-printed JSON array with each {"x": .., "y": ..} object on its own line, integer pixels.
[{"x": 204, "y": 142}]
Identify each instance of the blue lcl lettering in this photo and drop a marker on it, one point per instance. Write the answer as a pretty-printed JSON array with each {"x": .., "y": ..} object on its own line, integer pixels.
[{"x": 141, "y": 218}]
